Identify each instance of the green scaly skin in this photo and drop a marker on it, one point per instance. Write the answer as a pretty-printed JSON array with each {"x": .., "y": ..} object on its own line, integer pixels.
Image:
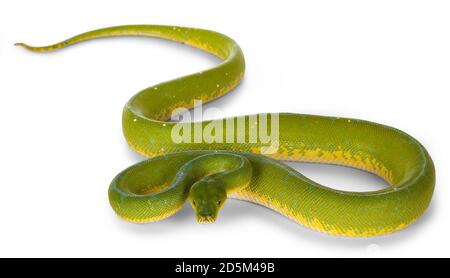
[{"x": 207, "y": 173}]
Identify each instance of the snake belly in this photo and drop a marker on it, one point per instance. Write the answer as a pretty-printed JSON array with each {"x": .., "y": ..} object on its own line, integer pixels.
[{"x": 146, "y": 191}]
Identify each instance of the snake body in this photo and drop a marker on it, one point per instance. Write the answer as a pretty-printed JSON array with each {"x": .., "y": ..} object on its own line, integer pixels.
[{"x": 207, "y": 172}]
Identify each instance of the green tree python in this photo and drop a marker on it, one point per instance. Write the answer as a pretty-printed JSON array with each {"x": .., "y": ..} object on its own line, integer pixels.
[{"x": 206, "y": 172}]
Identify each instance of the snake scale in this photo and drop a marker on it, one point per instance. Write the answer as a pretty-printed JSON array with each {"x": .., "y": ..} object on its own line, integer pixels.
[{"x": 206, "y": 173}]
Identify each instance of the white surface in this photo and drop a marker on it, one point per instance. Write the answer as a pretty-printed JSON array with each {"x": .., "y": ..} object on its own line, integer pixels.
[{"x": 62, "y": 143}]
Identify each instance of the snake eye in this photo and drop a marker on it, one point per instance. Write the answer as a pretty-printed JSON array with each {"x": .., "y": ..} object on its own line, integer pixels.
[
  {"x": 193, "y": 202},
  {"x": 219, "y": 202}
]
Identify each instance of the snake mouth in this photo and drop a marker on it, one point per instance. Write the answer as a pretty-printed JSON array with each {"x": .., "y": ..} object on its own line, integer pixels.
[{"x": 204, "y": 219}]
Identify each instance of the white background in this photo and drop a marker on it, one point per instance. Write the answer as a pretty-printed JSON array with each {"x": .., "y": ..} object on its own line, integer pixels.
[{"x": 61, "y": 138}]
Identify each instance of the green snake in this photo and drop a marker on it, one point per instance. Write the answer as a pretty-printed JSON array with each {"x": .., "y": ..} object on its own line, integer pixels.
[{"x": 206, "y": 171}]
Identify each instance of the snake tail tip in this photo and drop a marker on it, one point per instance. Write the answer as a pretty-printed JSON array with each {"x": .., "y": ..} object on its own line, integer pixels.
[{"x": 24, "y": 45}]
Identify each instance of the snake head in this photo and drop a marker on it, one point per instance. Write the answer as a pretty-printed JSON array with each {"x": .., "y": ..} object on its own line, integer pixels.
[{"x": 207, "y": 198}]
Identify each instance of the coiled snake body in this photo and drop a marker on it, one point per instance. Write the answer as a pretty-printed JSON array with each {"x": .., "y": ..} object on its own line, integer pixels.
[{"x": 207, "y": 172}]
